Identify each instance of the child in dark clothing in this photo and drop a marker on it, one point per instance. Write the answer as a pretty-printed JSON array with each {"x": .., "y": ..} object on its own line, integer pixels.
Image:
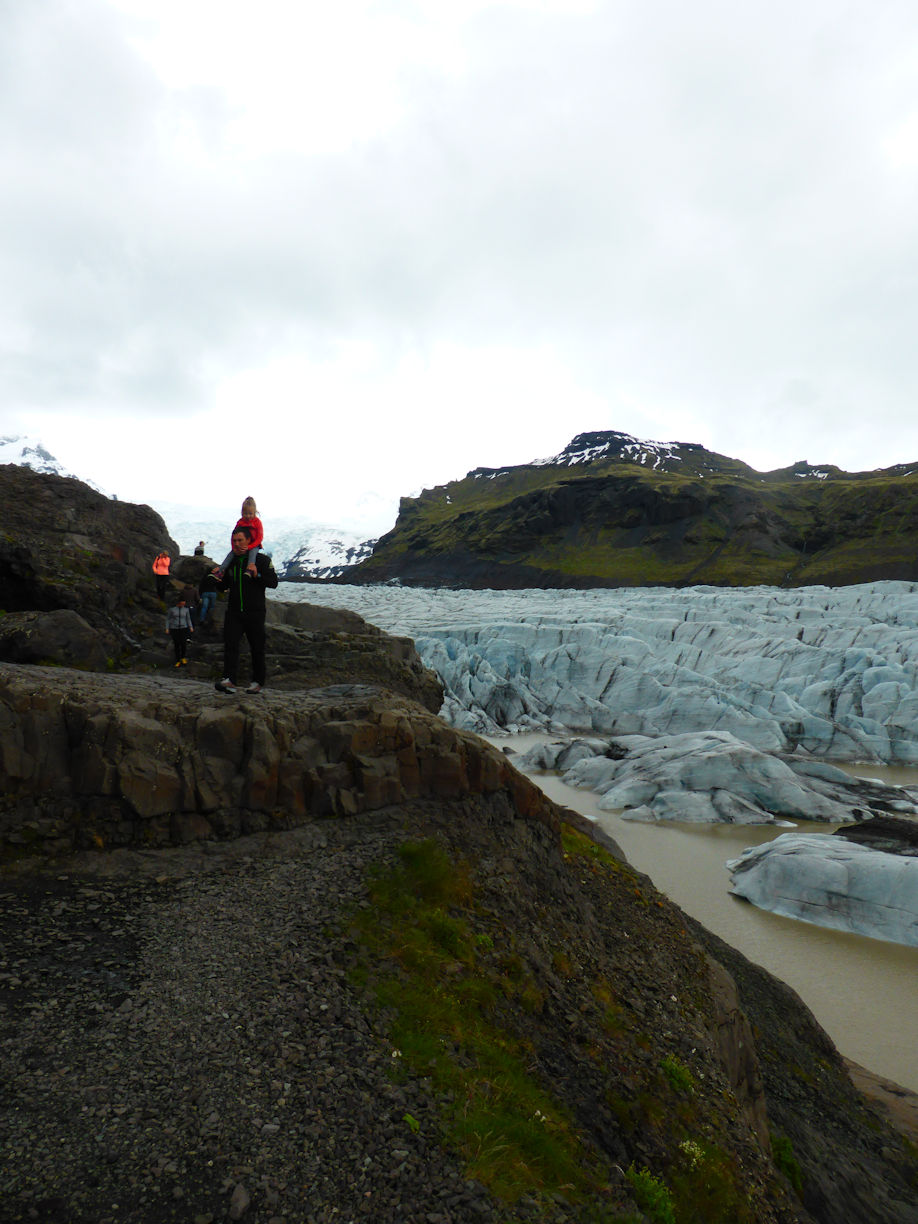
[{"x": 179, "y": 627}]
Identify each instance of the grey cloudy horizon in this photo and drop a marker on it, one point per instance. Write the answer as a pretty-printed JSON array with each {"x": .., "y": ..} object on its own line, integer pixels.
[{"x": 324, "y": 252}]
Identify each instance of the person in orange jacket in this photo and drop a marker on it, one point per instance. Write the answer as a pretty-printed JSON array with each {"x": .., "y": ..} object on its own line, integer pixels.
[{"x": 161, "y": 570}]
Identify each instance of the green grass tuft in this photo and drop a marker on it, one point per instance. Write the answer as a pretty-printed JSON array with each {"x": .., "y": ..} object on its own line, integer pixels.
[{"x": 442, "y": 986}]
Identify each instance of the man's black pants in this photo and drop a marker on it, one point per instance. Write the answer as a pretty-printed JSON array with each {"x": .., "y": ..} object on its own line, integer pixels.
[{"x": 235, "y": 627}]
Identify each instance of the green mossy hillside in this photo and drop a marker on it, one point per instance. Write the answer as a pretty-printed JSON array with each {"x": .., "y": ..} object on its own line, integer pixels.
[{"x": 614, "y": 523}]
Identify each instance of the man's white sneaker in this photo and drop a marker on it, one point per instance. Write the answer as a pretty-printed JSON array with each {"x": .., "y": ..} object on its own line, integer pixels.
[
  {"x": 225, "y": 686},
  {"x": 254, "y": 688}
]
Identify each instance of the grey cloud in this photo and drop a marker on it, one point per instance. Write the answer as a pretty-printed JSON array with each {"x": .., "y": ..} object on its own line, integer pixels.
[{"x": 688, "y": 201}]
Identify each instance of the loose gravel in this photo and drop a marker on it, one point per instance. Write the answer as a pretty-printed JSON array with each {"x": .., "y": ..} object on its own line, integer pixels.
[{"x": 191, "y": 1049}]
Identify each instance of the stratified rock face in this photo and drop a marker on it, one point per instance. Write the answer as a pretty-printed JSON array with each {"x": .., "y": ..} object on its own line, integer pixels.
[
  {"x": 832, "y": 882},
  {"x": 131, "y": 760}
]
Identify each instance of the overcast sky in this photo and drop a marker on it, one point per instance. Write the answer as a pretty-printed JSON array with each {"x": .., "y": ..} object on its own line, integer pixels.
[{"x": 314, "y": 250}]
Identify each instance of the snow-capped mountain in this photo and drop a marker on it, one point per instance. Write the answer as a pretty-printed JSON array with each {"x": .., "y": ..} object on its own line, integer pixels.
[
  {"x": 607, "y": 444},
  {"x": 29, "y": 452},
  {"x": 301, "y": 548},
  {"x": 322, "y": 553}
]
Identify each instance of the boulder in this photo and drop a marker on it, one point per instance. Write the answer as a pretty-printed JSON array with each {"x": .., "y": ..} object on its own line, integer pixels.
[
  {"x": 76, "y": 549},
  {"x": 61, "y": 637}
]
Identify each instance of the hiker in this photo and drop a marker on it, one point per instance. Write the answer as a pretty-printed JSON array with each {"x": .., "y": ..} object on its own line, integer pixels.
[
  {"x": 253, "y": 524},
  {"x": 209, "y": 587},
  {"x": 199, "y": 551},
  {"x": 161, "y": 570},
  {"x": 190, "y": 596},
  {"x": 179, "y": 627},
  {"x": 245, "y": 611}
]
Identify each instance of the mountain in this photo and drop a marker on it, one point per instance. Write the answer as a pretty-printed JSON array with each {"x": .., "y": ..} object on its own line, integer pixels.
[
  {"x": 28, "y": 452},
  {"x": 322, "y": 553},
  {"x": 613, "y": 510}
]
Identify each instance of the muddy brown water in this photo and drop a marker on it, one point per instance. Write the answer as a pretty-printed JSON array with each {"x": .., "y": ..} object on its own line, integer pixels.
[{"x": 864, "y": 992}]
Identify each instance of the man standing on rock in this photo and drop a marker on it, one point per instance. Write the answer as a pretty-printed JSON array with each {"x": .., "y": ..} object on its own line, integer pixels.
[{"x": 245, "y": 612}]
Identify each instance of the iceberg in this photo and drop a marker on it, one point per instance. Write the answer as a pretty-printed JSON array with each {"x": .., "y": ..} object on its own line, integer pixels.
[{"x": 832, "y": 882}]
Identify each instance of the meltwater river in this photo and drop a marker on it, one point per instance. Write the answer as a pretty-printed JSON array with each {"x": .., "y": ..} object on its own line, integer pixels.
[{"x": 864, "y": 992}]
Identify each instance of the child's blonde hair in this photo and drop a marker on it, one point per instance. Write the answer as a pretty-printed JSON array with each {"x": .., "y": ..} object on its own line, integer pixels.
[{"x": 249, "y": 509}]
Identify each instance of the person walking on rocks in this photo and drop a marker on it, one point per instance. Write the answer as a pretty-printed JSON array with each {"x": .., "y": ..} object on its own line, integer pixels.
[
  {"x": 161, "y": 570},
  {"x": 179, "y": 627},
  {"x": 245, "y": 611},
  {"x": 209, "y": 587}
]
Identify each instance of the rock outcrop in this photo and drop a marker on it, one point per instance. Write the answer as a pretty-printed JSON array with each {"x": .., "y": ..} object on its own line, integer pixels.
[
  {"x": 71, "y": 547},
  {"x": 143, "y": 761}
]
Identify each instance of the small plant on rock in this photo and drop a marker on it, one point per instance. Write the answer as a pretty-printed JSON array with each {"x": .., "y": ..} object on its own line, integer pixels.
[
  {"x": 651, "y": 1195},
  {"x": 679, "y": 1076}
]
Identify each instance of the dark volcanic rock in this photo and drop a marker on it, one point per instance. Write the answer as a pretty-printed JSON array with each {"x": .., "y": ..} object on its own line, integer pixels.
[
  {"x": 848, "y": 1175},
  {"x": 74, "y": 548},
  {"x": 62, "y": 637},
  {"x": 135, "y": 760}
]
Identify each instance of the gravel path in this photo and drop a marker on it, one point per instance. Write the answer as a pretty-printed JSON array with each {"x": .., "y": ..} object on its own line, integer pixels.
[{"x": 191, "y": 1049}]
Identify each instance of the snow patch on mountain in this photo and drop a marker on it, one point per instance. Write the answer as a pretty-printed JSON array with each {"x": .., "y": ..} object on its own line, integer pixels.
[
  {"x": 588, "y": 448},
  {"x": 29, "y": 452},
  {"x": 322, "y": 552},
  {"x": 300, "y": 548}
]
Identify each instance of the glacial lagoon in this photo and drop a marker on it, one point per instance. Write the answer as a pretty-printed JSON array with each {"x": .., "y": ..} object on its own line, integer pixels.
[
  {"x": 830, "y": 674},
  {"x": 864, "y": 992}
]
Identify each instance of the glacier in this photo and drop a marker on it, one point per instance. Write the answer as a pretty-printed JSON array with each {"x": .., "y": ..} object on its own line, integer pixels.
[
  {"x": 830, "y": 672},
  {"x": 701, "y": 704}
]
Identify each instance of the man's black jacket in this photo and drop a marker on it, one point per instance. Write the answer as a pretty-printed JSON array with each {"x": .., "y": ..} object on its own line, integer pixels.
[{"x": 246, "y": 594}]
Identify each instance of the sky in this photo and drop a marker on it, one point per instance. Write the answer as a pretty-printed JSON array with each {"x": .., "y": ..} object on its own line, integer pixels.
[{"x": 330, "y": 254}]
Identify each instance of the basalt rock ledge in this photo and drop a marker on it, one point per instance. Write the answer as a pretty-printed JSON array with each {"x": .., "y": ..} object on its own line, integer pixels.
[{"x": 128, "y": 760}]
